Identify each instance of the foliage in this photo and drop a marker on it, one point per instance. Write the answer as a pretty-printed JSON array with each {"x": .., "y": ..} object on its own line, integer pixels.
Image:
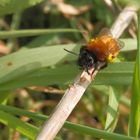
[
  {"x": 35, "y": 70},
  {"x": 13, "y": 6}
]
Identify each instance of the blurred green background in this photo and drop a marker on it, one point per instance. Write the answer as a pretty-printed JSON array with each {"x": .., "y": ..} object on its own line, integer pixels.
[{"x": 35, "y": 70}]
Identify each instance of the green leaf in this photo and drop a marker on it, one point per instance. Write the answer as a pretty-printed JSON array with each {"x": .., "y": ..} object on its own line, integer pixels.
[
  {"x": 96, "y": 133},
  {"x": 112, "y": 113},
  {"x": 4, "y": 97},
  {"x": 43, "y": 40},
  {"x": 26, "y": 61},
  {"x": 33, "y": 32},
  {"x": 13, "y": 6},
  {"x": 22, "y": 68},
  {"x": 23, "y": 127},
  {"x": 129, "y": 44},
  {"x": 134, "y": 117},
  {"x": 103, "y": 89},
  {"x": 114, "y": 74}
]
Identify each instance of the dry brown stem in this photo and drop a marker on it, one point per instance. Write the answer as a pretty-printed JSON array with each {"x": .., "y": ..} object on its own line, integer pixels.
[{"x": 74, "y": 93}]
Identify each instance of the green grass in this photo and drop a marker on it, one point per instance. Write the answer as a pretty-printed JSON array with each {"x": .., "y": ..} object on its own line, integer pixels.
[
  {"x": 27, "y": 129},
  {"x": 41, "y": 118},
  {"x": 36, "y": 41},
  {"x": 134, "y": 123},
  {"x": 34, "y": 32}
]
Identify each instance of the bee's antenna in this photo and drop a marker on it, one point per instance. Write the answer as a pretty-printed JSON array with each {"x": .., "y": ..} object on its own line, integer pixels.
[{"x": 71, "y": 52}]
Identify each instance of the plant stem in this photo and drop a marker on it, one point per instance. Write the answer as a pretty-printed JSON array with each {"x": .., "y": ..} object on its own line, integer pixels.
[{"x": 74, "y": 93}]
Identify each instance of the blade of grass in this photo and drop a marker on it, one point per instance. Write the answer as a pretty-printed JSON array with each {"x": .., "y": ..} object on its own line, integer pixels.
[
  {"x": 130, "y": 44},
  {"x": 34, "y": 32},
  {"x": 12, "y": 66},
  {"x": 103, "y": 89},
  {"x": 9, "y": 7},
  {"x": 134, "y": 117},
  {"x": 97, "y": 133},
  {"x": 4, "y": 97},
  {"x": 24, "y": 128},
  {"x": 112, "y": 112},
  {"x": 71, "y": 126},
  {"x": 119, "y": 73},
  {"x": 125, "y": 101},
  {"x": 16, "y": 18}
]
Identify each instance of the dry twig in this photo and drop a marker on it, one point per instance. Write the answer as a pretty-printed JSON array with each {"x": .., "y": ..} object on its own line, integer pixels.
[{"x": 75, "y": 91}]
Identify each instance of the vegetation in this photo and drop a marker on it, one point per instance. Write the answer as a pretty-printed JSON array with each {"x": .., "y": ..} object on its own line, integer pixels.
[{"x": 35, "y": 70}]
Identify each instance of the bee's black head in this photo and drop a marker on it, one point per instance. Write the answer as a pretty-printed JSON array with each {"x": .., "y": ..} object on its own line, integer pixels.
[{"x": 87, "y": 59}]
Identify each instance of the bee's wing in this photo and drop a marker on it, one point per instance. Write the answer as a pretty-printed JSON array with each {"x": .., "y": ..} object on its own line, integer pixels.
[
  {"x": 107, "y": 32},
  {"x": 104, "y": 31},
  {"x": 120, "y": 44}
]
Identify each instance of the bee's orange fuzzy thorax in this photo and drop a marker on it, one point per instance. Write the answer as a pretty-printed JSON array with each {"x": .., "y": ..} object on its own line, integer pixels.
[{"x": 105, "y": 47}]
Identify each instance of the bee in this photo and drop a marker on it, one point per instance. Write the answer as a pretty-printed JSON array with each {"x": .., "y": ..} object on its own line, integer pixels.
[{"x": 103, "y": 48}]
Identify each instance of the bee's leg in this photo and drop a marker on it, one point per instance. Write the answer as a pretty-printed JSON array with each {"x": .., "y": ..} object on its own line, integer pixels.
[
  {"x": 95, "y": 67},
  {"x": 87, "y": 70},
  {"x": 105, "y": 65}
]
